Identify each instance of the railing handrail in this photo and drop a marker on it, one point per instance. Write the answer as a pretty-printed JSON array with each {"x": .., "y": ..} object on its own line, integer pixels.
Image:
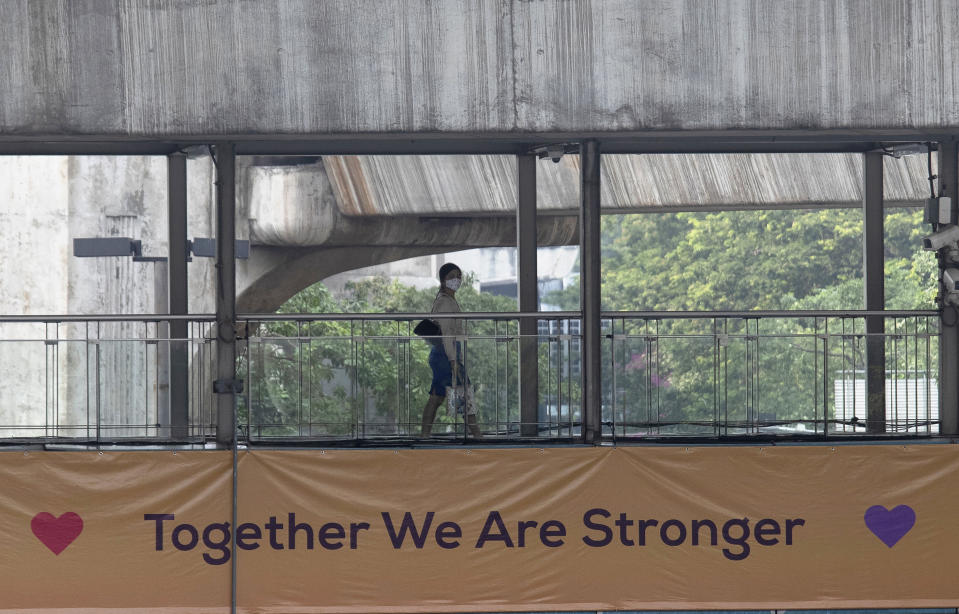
[
  {"x": 139, "y": 317},
  {"x": 469, "y": 315},
  {"x": 409, "y": 316},
  {"x": 117, "y": 390},
  {"x": 605, "y": 315},
  {"x": 769, "y": 313}
]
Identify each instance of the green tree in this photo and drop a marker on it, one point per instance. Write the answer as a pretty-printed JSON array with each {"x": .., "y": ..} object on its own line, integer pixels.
[
  {"x": 364, "y": 377},
  {"x": 663, "y": 371},
  {"x": 292, "y": 370}
]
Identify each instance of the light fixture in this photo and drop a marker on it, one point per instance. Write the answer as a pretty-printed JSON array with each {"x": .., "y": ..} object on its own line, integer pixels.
[{"x": 101, "y": 247}]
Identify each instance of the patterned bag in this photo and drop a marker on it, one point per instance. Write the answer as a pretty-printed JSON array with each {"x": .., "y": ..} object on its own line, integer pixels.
[{"x": 460, "y": 400}]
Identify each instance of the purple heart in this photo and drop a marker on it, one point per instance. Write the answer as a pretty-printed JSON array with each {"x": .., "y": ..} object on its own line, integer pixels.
[{"x": 890, "y": 525}]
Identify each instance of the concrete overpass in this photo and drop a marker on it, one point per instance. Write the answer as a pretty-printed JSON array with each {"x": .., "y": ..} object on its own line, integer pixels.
[
  {"x": 296, "y": 76},
  {"x": 308, "y": 78}
]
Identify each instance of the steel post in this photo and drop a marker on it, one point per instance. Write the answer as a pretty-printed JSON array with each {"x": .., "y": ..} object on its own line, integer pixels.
[
  {"x": 527, "y": 295},
  {"x": 875, "y": 299},
  {"x": 225, "y": 384},
  {"x": 590, "y": 290},
  {"x": 949, "y": 332},
  {"x": 177, "y": 256},
  {"x": 161, "y": 304}
]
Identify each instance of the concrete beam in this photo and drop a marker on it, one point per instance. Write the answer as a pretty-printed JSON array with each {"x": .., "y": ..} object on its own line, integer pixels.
[
  {"x": 171, "y": 68},
  {"x": 274, "y": 274}
]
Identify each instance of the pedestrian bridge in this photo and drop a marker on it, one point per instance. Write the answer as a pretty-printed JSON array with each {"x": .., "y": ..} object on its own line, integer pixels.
[
  {"x": 363, "y": 378},
  {"x": 213, "y": 84}
]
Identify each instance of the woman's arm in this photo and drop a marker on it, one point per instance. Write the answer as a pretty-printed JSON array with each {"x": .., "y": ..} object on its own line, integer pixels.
[{"x": 450, "y": 328}]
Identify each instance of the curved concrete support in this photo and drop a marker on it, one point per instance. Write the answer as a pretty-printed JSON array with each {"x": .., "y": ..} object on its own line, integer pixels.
[
  {"x": 288, "y": 206},
  {"x": 272, "y": 275},
  {"x": 300, "y": 236}
]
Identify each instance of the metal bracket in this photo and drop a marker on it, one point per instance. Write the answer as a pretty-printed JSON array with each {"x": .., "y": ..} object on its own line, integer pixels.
[{"x": 228, "y": 386}]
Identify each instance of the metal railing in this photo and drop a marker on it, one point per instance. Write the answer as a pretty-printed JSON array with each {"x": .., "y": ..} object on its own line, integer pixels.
[
  {"x": 366, "y": 377},
  {"x": 767, "y": 373},
  {"x": 101, "y": 378}
]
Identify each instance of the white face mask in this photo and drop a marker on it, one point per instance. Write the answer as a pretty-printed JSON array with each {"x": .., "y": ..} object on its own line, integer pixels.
[{"x": 453, "y": 284}]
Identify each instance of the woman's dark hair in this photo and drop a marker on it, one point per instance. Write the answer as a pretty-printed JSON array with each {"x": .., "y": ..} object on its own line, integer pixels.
[{"x": 446, "y": 269}]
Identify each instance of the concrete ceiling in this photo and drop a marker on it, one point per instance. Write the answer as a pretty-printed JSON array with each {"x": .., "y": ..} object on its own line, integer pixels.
[
  {"x": 486, "y": 185},
  {"x": 459, "y": 76}
]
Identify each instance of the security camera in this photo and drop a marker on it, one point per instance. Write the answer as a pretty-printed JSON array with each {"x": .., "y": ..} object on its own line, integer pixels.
[
  {"x": 950, "y": 277},
  {"x": 944, "y": 237},
  {"x": 555, "y": 152}
]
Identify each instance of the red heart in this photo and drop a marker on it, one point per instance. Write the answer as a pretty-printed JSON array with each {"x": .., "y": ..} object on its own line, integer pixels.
[{"x": 56, "y": 533}]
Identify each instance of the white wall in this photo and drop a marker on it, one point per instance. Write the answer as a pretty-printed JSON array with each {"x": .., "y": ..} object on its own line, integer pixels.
[{"x": 47, "y": 202}]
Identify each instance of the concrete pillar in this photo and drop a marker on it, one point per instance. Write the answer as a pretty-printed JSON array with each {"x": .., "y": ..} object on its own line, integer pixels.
[
  {"x": 527, "y": 295},
  {"x": 177, "y": 255},
  {"x": 590, "y": 288},
  {"x": 875, "y": 298},
  {"x": 949, "y": 332},
  {"x": 226, "y": 384}
]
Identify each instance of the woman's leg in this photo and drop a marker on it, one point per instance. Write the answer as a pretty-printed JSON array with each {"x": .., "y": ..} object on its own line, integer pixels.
[
  {"x": 473, "y": 426},
  {"x": 461, "y": 378},
  {"x": 442, "y": 377},
  {"x": 429, "y": 413}
]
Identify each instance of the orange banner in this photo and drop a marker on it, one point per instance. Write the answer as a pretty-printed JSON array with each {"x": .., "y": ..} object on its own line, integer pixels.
[{"x": 481, "y": 529}]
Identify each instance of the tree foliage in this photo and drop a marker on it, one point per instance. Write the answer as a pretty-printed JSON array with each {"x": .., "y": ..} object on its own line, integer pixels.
[
  {"x": 739, "y": 371},
  {"x": 749, "y": 260},
  {"x": 360, "y": 377},
  {"x": 364, "y": 377}
]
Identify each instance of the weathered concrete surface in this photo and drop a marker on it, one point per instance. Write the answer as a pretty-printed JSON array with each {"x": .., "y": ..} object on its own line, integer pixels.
[
  {"x": 308, "y": 222},
  {"x": 299, "y": 68},
  {"x": 46, "y": 203},
  {"x": 802, "y": 64},
  {"x": 32, "y": 254},
  {"x": 486, "y": 185},
  {"x": 302, "y": 232},
  {"x": 276, "y": 274}
]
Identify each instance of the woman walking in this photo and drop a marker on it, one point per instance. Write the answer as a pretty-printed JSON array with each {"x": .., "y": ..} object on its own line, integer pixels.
[{"x": 446, "y": 357}]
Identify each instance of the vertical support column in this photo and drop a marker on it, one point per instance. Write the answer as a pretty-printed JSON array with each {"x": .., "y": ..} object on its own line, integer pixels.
[
  {"x": 949, "y": 331},
  {"x": 875, "y": 295},
  {"x": 177, "y": 255},
  {"x": 161, "y": 304},
  {"x": 226, "y": 383},
  {"x": 590, "y": 286},
  {"x": 528, "y": 295}
]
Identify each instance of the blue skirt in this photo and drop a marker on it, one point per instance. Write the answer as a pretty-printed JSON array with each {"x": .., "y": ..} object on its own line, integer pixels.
[{"x": 443, "y": 371}]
